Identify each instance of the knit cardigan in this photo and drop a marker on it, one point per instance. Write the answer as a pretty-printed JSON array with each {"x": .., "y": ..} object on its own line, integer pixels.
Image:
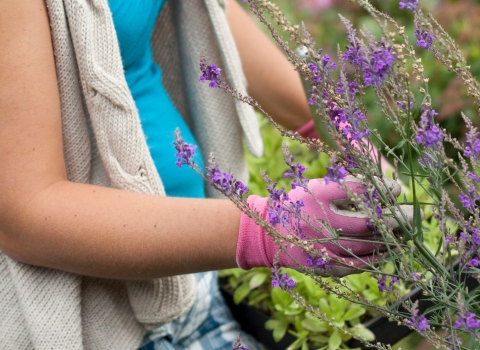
[{"x": 42, "y": 308}]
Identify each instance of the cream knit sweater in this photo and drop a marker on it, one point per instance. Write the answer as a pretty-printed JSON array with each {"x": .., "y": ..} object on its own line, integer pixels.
[{"x": 42, "y": 308}]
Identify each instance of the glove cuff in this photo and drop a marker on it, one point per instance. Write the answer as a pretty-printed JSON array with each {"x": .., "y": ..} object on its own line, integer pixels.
[
  {"x": 254, "y": 247},
  {"x": 308, "y": 130}
]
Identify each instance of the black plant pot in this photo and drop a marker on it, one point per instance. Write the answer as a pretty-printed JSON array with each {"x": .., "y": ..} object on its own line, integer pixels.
[{"x": 253, "y": 321}]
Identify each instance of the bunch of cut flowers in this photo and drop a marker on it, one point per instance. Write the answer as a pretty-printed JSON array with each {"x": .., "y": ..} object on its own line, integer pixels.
[{"x": 389, "y": 67}]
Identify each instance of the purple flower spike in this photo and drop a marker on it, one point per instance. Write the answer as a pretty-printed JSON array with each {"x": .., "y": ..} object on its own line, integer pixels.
[
  {"x": 224, "y": 181},
  {"x": 282, "y": 280},
  {"x": 465, "y": 200},
  {"x": 418, "y": 322},
  {"x": 429, "y": 135},
  {"x": 467, "y": 322},
  {"x": 210, "y": 73},
  {"x": 424, "y": 39},
  {"x": 335, "y": 173},
  {"x": 296, "y": 170},
  {"x": 472, "y": 148},
  {"x": 379, "y": 66},
  {"x": 185, "y": 151},
  {"x": 408, "y": 4}
]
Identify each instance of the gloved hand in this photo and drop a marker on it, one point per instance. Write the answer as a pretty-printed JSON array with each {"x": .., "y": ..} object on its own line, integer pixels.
[
  {"x": 308, "y": 130},
  {"x": 255, "y": 248}
]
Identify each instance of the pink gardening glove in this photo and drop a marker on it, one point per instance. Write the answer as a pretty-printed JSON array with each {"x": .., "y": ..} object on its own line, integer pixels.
[
  {"x": 308, "y": 130},
  {"x": 255, "y": 248}
]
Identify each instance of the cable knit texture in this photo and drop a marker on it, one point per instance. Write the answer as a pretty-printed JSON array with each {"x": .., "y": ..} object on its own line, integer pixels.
[{"x": 104, "y": 144}]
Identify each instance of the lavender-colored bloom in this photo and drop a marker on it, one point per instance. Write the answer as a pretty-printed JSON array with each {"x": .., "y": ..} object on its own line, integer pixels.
[
  {"x": 383, "y": 286},
  {"x": 296, "y": 170},
  {"x": 426, "y": 162},
  {"x": 224, "y": 181},
  {"x": 282, "y": 280},
  {"x": 429, "y": 134},
  {"x": 378, "y": 211},
  {"x": 465, "y": 200},
  {"x": 277, "y": 195},
  {"x": 455, "y": 343},
  {"x": 475, "y": 262},
  {"x": 474, "y": 177},
  {"x": 316, "y": 81},
  {"x": 185, "y": 151},
  {"x": 335, "y": 173},
  {"x": 318, "y": 261},
  {"x": 379, "y": 65},
  {"x": 415, "y": 275},
  {"x": 468, "y": 322},
  {"x": 472, "y": 148},
  {"x": 476, "y": 236},
  {"x": 419, "y": 322},
  {"x": 448, "y": 240},
  {"x": 424, "y": 38},
  {"x": 351, "y": 163},
  {"x": 210, "y": 73},
  {"x": 327, "y": 63},
  {"x": 408, "y": 4},
  {"x": 353, "y": 52}
]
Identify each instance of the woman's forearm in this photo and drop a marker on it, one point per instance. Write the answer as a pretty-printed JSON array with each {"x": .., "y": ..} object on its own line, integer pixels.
[
  {"x": 111, "y": 233},
  {"x": 272, "y": 80}
]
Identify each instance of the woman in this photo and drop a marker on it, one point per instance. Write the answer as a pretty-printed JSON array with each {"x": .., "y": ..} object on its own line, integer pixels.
[{"x": 93, "y": 252}]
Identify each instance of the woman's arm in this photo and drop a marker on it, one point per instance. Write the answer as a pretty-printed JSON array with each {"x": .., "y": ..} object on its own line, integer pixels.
[
  {"x": 272, "y": 80},
  {"x": 48, "y": 221}
]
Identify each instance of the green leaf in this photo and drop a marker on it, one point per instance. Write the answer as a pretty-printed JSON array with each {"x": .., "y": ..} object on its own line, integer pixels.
[
  {"x": 335, "y": 340},
  {"x": 314, "y": 325},
  {"x": 240, "y": 293},
  {"x": 279, "y": 328},
  {"x": 257, "y": 280},
  {"x": 354, "y": 312},
  {"x": 362, "y": 332}
]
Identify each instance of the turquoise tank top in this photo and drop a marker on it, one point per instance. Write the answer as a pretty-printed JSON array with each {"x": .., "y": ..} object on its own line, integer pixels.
[{"x": 134, "y": 21}]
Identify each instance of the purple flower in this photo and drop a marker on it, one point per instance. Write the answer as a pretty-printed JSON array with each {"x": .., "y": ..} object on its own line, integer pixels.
[
  {"x": 185, "y": 151},
  {"x": 353, "y": 51},
  {"x": 408, "y": 4},
  {"x": 424, "y": 38},
  {"x": 383, "y": 286},
  {"x": 429, "y": 134},
  {"x": 318, "y": 261},
  {"x": 475, "y": 262},
  {"x": 455, "y": 343},
  {"x": 335, "y": 173},
  {"x": 465, "y": 200},
  {"x": 377, "y": 68},
  {"x": 296, "y": 170},
  {"x": 282, "y": 280},
  {"x": 467, "y": 322},
  {"x": 415, "y": 275},
  {"x": 419, "y": 322},
  {"x": 328, "y": 64},
  {"x": 427, "y": 161},
  {"x": 209, "y": 73},
  {"x": 472, "y": 148},
  {"x": 224, "y": 181},
  {"x": 474, "y": 177}
]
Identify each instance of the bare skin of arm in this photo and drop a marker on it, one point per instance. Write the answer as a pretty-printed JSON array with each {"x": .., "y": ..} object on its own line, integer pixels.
[
  {"x": 48, "y": 221},
  {"x": 272, "y": 80}
]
